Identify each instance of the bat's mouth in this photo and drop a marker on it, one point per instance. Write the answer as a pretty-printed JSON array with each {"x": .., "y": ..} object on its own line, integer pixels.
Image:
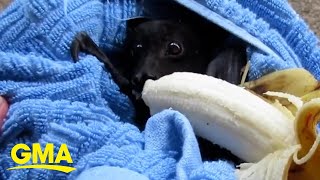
[
  {"x": 137, "y": 87},
  {"x": 137, "y": 94}
]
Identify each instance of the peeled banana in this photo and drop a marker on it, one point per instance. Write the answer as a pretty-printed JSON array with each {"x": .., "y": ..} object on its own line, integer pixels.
[
  {"x": 277, "y": 135},
  {"x": 223, "y": 113}
]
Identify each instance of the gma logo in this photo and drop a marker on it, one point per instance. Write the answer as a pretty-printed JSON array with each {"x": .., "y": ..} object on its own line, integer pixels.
[{"x": 37, "y": 154}]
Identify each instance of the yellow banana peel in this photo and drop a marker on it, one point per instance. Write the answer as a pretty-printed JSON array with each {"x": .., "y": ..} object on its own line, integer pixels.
[
  {"x": 296, "y": 162},
  {"x": 295, "y": 81}
]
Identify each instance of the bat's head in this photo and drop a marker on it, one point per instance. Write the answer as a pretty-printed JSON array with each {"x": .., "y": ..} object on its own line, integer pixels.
[{"x": 162, "y": 47}]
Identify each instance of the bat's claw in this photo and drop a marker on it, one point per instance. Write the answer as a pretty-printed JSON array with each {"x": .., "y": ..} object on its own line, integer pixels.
[
  {"x": 75, "y": 49},
  {"x": 78, "y": 45}
]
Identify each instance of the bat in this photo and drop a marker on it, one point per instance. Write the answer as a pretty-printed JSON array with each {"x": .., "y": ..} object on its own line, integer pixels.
[{"x": 158, "y": 47}]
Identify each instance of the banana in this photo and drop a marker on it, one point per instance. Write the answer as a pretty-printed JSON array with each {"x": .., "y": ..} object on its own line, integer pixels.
[
  {"x": 289, "y": 105},
  {"x": 295, "y": 81},
  {"x": 223, "y": 113},
  {"x": 295, "y": 162},
  {"x": 297, "y": 102},
  {"x": 312, "y": 95},
  {"x": 273, "y": 167}
]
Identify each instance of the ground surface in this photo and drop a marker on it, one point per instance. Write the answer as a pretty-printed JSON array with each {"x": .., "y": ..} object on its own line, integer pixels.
[
  {"x": 308, "y": 9},
  {"x": 3, "y": 3}
]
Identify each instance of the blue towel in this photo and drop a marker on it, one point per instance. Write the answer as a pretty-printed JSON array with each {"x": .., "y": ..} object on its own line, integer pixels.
[{"x": 53, "y": 100}]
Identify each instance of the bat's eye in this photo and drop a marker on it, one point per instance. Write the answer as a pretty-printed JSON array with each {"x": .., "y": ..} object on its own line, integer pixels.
[
  {"x": 137, "y": 49},
  {"x": 174, "y": 49},
  {"x": 138, "y": 46}
]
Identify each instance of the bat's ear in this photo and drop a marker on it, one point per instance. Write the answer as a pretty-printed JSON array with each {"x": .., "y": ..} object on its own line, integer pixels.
[
  {"x": 134, "y": 22},
  {"x": 228, "y": 64}
]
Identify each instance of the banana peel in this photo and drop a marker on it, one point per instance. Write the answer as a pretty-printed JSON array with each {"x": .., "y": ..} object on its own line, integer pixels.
[
  {"x": 296, "y": 162},
  {"x": 308, "y": 157},
  {"x": 312, "y": 95},
  {"x": 274, "y": 166},
  {"x": 305, "y": 98},
  {"x": 295, "y": 81}
]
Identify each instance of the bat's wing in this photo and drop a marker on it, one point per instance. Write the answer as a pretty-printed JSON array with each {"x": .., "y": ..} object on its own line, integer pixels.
[{"x": 83, "y": 43}]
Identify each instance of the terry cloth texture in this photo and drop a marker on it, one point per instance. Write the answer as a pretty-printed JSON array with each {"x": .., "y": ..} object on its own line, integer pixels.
[{"x": 54, "y": 100}]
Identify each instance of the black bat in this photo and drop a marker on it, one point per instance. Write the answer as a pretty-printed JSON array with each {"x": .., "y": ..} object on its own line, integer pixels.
[{"x": 155, "y": 48}]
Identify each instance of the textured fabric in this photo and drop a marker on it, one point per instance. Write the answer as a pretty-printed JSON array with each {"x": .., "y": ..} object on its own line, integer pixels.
[
  {"x": 280, "y": 39},
  {"x": 53, "y": 100}
]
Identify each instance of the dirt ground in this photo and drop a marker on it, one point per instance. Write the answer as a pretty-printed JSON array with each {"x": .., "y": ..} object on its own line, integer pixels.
[
  {"x": 3, "y": 3},
  {"x": 308, "y": 9}
]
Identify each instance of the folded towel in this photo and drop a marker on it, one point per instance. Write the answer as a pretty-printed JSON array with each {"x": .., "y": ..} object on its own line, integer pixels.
[{"x": 54, "y": 100}]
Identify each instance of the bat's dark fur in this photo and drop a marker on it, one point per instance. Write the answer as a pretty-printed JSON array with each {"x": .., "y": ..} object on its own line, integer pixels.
[
  {"x": 161, "y": 47},
  {"x": 155, "y": 48}
]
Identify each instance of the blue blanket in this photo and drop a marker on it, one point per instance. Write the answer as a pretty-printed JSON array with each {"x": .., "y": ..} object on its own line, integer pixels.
[{"x": 53, "y": 100}]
